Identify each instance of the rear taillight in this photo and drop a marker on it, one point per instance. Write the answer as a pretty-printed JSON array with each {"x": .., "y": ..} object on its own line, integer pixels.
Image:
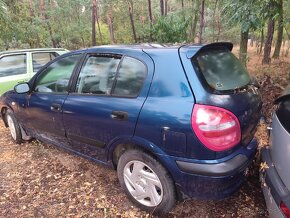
[
  {"x": 217, "y": 128},
  {"x": 285, "y": 209}
]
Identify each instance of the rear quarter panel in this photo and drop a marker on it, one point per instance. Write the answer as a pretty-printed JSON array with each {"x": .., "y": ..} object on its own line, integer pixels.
[{"x": 165, "y": 118}]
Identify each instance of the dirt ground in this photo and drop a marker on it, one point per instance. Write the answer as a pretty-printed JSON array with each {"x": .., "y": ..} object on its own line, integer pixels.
[{"x": 40, "y": 180}]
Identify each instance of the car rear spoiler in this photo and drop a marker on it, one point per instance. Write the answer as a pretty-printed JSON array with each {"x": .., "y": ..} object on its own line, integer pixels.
[
  {"x": 193, "y": 50},
  {"x": 285, "y": 95}
]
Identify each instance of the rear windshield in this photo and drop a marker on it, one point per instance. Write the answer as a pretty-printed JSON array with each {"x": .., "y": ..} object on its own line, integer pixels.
[{"x": 222, "y": 70}]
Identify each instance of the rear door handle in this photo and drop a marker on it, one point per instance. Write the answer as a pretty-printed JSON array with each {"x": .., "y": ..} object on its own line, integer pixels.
[
  {"x": 119, "y": 115},
  {"x": 55, "y": 107}
]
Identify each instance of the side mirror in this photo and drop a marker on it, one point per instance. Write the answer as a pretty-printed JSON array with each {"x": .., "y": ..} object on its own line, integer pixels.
[{"x": 22, "y": 88}]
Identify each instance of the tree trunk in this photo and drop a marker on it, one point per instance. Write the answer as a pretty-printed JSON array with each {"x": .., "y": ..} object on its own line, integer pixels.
[
  {"x": 42, "y": 7},
  {"x": 46, "y": 19},
  {"x": 201, "y": 21},
  {"x": 98, "y": 23},
  {"x": 194, "y": 21},
  {"x": 161, "y": 7},
  {"x": 262, "y": 40},
  {"x": 31, "y": 8},
  {"x": 150, "y": 19},
  {"x": 280, "y": 31},
  {"x": 94, "y": 13},
  {"x": 213, "y": 21},
  {"x": 165, "y": 7},
  {"x": 182, "y": 10},
  {"x": 268, "y": 42},
  {"x": 110, "y": 24},
  {"x": 130, "y": 9},
  {"x": 54, "y": 43},
  {"x": 244, "y": 47}
]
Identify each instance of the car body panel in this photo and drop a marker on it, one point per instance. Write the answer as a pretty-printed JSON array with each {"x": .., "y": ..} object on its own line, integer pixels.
[
  {"x": 158, "y": 122},
  {"x": 274, "y": 189},
  {"x": 273, "y": 208},
  {"x": 40, "y": 105},
  {"x": 246, "y": 103},
  {"x": 275, "y": 178},
  {"x": 280, "y": 150}
]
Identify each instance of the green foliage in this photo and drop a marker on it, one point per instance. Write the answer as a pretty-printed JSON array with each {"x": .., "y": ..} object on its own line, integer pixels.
[
  {"x": 3, "y": 11},
  {"x": 242, "y": 12},
  {"x": 170, "y": 29},
  {"x": 67, "y": 23}
]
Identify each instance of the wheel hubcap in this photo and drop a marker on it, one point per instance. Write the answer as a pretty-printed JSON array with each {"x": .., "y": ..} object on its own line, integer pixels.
[
  {"x": 11, "y": 127},
  {"x": 143, "y": 183}
]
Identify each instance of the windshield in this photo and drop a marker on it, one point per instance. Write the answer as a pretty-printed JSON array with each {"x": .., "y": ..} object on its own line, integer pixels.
[{"x": 222, "y": 70}]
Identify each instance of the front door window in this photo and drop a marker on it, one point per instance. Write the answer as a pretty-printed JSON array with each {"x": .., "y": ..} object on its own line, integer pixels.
[{"x": 55, "y": 78}]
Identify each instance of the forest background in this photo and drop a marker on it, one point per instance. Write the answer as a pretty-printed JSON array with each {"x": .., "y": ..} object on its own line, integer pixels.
[{"x": 74, "y": 24}]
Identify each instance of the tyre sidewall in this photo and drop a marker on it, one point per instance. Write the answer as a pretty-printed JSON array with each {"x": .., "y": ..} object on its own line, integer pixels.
[
  {"x": 169, "y": 194},
  {"x": 18, "y": 139}
]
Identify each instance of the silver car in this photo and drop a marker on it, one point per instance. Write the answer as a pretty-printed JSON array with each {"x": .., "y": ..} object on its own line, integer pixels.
[{"x": 276, "y": 176}]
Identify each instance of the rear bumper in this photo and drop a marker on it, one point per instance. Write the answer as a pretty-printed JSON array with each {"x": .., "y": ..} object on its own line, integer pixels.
[
  {"x": 226, "y": 168},
  {"x": 273, "y": 187},
  {"x": 212, "y": 179}
]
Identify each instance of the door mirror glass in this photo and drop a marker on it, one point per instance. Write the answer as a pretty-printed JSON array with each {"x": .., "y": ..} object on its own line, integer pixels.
[{"x": 22, "y": 88}]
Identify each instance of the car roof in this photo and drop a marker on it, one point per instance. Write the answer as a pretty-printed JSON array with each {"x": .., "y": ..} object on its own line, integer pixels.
[
  {"x": 31, "y": 50},
  {"x": 190, "y": 49}
]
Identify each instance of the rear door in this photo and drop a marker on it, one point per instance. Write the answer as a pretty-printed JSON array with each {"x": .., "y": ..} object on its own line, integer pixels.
[{"x": 110, "y": 91}]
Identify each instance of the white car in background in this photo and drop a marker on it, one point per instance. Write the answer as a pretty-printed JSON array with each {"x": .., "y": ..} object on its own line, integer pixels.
[{"x": 20, "y": 65}]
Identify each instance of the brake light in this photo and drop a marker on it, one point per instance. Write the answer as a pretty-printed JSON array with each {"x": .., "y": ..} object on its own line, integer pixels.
[
  {"x": 285, "y": 209},
  {"x": 217, "y": 128}
]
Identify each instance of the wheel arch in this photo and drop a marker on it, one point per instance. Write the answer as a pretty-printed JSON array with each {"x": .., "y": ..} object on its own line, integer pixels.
[{"x": 121, "y": 145}]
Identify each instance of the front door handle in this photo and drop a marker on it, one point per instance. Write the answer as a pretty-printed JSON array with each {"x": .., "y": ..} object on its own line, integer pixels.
[
  {"x": 55, "y": 107},
  {"x": 119, "y": 115}
]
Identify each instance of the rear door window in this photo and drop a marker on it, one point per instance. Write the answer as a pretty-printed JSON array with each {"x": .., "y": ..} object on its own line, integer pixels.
[
  {"x": 97, "y": 75},
  {"x": 130, "y": 78},
  {"x": 41, "y": 58},
  {"x": 111, "y": 75},
  {"x": 221, "y": 69},
  {"x": 13, "y": 65}
]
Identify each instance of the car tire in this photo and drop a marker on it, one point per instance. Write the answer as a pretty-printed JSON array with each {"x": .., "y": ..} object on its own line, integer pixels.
[
  {"x": 14, "y": 127},
  {"x": 146, "y": 182}
]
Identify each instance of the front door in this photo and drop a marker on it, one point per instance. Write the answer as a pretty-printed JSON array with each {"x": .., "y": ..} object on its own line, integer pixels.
[{"x": 44, "y": 104}]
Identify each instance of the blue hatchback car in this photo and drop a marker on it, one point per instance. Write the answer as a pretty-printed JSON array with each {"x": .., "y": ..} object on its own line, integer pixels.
[{"x": 174, "y": 121}]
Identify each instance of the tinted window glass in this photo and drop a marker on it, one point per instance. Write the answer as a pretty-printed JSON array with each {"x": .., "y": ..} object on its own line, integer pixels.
[
  {"x": 97, "y": 75},
  {"x": 41, "y": 58},
  {"x": 283, "y": 114},
  {"x": 222, "y": 70},
  {"x": 55, "y": 77},
  {"x": 130, "y": 78},
  {"x": 13, "y": 65}
]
